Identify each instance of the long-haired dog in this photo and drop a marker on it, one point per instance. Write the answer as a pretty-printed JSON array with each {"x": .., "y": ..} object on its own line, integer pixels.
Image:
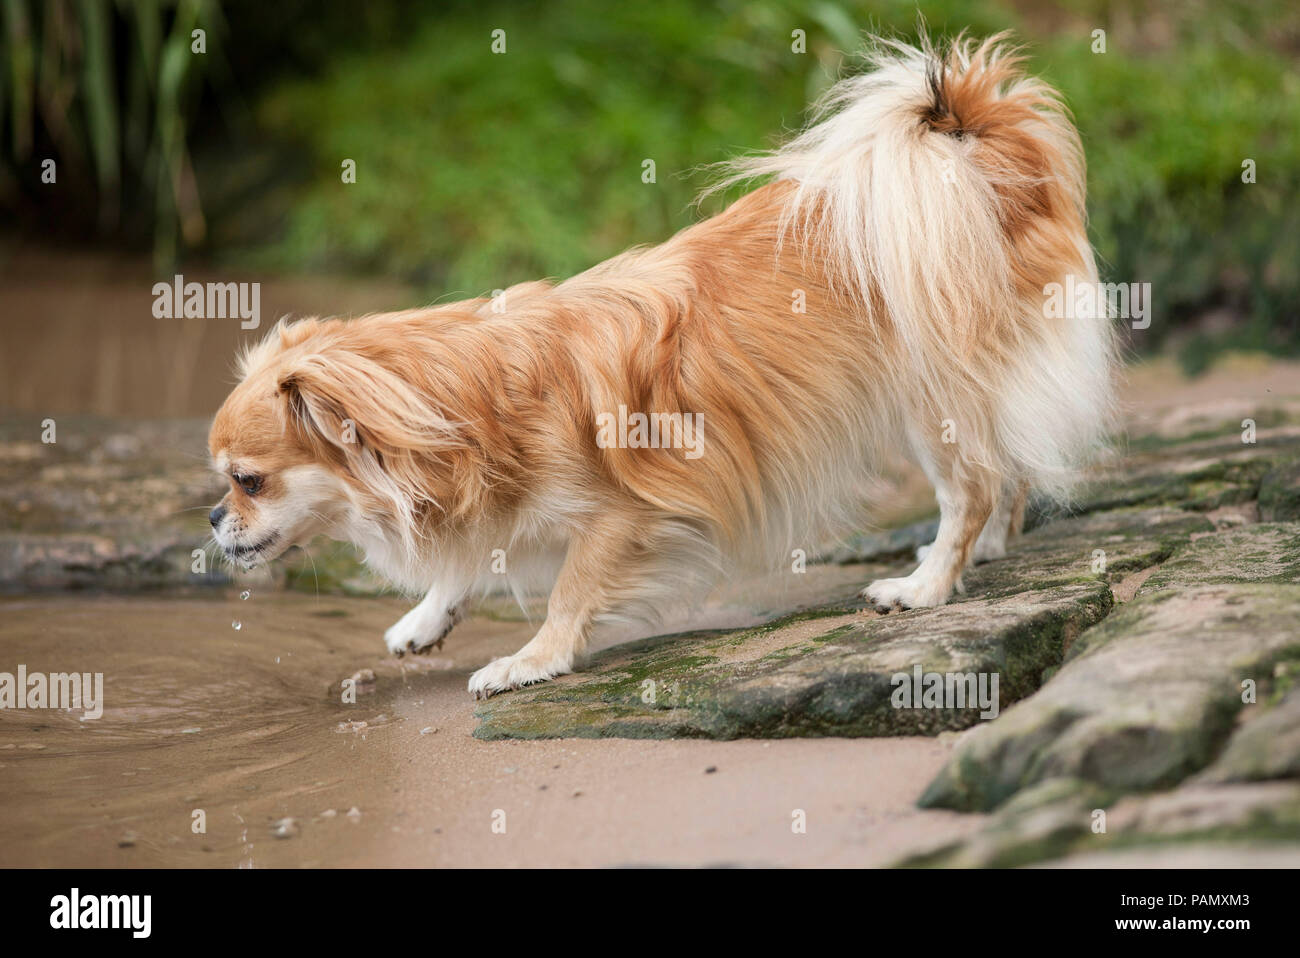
[{"x": 720, "y": 398}]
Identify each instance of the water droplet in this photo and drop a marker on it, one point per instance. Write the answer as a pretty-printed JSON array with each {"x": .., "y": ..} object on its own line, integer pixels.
[
  {"x": 245, "y": 594},
  {"x": 236, "y": 625}
]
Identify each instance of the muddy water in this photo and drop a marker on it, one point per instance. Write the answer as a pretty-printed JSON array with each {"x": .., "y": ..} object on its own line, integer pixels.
[
  {"x": 79, "y": 333},
  {"x": 248, "y": 728}
]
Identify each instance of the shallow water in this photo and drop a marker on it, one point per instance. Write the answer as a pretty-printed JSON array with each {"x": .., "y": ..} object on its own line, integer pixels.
[
  {"x": 249, "y": 728},
  {"x": 197, "y": 715}
]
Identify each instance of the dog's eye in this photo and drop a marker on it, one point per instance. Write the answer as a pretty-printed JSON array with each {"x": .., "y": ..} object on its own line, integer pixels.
[{"x": 250, "y": 484}]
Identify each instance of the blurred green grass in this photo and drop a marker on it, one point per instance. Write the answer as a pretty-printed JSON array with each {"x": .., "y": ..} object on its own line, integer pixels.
[{"x": 478, "y": 170}]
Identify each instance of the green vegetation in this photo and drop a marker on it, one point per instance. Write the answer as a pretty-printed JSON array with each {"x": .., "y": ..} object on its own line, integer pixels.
[
  {"x": 115, "y": 130},
  {"x": 478, "y": 170},
  {"x": 475, "y": 170}
]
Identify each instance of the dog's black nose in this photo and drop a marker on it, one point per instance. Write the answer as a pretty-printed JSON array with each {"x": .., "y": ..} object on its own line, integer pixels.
[{"x": 216, "y": 515}]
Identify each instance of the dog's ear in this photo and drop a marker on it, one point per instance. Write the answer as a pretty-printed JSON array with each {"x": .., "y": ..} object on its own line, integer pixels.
[
  {"x": 385, "y": 429},
  {"x": 312, "y": 409},
  {"x": 348, "y": 405}
]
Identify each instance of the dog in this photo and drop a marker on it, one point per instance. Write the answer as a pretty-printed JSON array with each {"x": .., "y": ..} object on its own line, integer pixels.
[{"x": 633, "y": 432}]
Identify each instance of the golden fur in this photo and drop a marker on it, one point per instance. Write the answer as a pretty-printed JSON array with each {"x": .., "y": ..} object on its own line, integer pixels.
[{"x": 917, "y": 223}]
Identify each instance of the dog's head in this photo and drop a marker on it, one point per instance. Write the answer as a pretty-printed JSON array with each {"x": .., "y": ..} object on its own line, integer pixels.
[{"x": 327, "y": 434}]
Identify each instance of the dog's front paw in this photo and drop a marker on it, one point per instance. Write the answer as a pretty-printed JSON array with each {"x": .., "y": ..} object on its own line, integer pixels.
[
  {"x": 416, "y": 632},
  {"x": 912, "y": 592},
  {"x": 512, "y": 672}
]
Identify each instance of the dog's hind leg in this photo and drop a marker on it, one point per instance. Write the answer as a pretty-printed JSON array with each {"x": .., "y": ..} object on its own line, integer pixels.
[
  {"x": 1004, "y": 524},
  {"x": 967, "y": 495}
]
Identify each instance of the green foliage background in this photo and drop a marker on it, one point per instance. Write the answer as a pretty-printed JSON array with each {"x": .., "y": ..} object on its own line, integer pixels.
[{"x": 477, "y": 170}]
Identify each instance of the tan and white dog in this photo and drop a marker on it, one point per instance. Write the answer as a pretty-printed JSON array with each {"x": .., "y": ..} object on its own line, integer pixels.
[{"x": 917, "y": 223}]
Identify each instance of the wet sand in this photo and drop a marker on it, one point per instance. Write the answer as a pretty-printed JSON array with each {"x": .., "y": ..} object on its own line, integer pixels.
[{"x": 249, "y": 727}]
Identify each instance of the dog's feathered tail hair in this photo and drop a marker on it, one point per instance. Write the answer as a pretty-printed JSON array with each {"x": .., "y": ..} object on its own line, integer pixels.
[{"x": 943, "y": 190}]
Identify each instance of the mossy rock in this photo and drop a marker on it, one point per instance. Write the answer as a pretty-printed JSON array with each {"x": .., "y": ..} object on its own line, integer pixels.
[
  {"x": 823, "y": 672},
  {"x": 1266, "y": 744},
  {"x": 1260, "y": 552},
  {"x": 1101, "y": 547},
  {"x": 1279, "y": 493},
  {"x": 1144, "y": 700},
  {"x": 1068, "y": 821},
  {"x": 1045, "y": 821}
]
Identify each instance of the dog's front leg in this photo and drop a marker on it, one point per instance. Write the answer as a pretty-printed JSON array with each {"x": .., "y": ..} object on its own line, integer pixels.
[
  {"x": 426, "y": 625},
  {"x": 580, "y": 592}
]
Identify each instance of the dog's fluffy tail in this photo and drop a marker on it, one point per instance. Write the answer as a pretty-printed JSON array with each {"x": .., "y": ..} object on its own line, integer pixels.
[{"x": 943, "y": 190}]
